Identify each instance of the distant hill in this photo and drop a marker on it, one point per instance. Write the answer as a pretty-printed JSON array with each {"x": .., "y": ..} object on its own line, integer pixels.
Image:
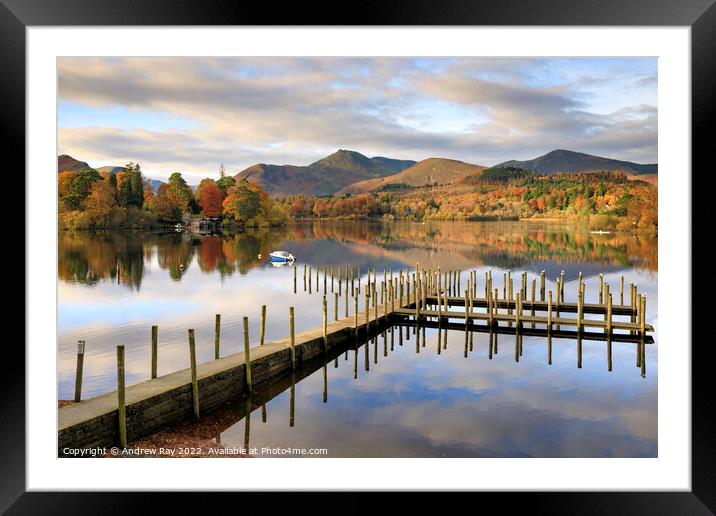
[
  {"x": 111, "y": 169},
  {"x": 561, "y": 160},
  {"x": 66, "y": 163},
  {"x": 430, "y": 171},
  {"x": 325, "y": 176}
]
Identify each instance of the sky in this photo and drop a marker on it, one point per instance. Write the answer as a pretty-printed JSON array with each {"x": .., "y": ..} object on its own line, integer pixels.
[{"x": 191, "y": 114}]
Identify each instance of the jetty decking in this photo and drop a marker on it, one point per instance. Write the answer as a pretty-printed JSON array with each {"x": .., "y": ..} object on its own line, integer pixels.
[{"x": 419, "y": 299}]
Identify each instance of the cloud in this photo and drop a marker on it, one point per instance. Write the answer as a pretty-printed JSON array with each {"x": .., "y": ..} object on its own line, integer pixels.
[{"x": 296, "y": 110}]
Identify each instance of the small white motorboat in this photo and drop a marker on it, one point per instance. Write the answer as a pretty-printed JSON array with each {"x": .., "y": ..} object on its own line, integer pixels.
[{"x": 281, "y": 256}]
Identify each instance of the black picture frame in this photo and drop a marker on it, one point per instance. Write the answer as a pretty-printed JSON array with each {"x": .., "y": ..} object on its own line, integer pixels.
[{"x": 700, "y": 15}]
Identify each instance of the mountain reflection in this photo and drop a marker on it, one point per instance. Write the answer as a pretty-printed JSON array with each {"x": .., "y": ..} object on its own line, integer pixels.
[{"x": 122, "y": 256}]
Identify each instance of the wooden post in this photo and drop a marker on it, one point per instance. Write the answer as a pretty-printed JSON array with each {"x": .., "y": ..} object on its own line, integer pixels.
[
  {"x": 78, "y": 372},
  {"x": 194, "y": 382},
  {"x": 121, "y": 409},
  {"x": 605, "y": 293},
  {"x": 325, "y": 324},
  {"x": 310, "y": 276},
  {"x": 560, "y": 296},
  {"x": 642, "y": 315},
  {"x": 609, "y": 314},
  {"x": 467, "y": 307},
  {"x": 217, "y": 336},
  {"x": 292, "y": 335},
  {"x": 496, "y": 306},
  {"x": 367, "y": 312},
  {"x": 262, "y": 329},
  {"x": 517, "y": 309},
  {"x": 541, "y": 286},
  {"x": 247, "y": 353},
  {"x": 532, "y": 298},
  {"x": 325, "y": 280},
  {"x": 523, "y": 287},
  {"x": 601, "y": 289},
  {"x": 355, "y": 307},
  {"x": 621, "y": 290},
  {"x": 509, "y": 296},
  {"x": 549, "y": 312},
  {"x": 580, "y": 308},
  {"x": 335, "y": 306},
  {"x": 304, "y": 277},
  {"x": 346, "y": 301},
  {"x": 155, "y": 336},
  {"x": 332, "y": 283},
  {"x": 295, "y": 273}
]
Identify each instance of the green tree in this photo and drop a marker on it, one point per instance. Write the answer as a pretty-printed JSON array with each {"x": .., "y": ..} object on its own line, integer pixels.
[
  {"x": 80, "y": 187},
  {"x": 242, "y": 203},
  {"x": 180, "y": 190}
]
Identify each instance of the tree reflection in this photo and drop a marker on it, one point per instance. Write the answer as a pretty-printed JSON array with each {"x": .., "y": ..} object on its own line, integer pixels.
[{"x": 89, "y": 257}]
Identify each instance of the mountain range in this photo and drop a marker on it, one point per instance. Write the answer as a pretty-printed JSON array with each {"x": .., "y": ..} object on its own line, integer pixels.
[
  {"x": 350, "y": 172},
  {"x": 561, "y": 160},
  {"x": 325, "y": 176}
]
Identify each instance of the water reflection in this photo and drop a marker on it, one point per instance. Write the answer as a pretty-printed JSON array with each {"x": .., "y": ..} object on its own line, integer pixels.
[
  {"x": 114, "y": 286},
  {"x": 90, "y": 257},
  {"x": 456, "y": 405}
]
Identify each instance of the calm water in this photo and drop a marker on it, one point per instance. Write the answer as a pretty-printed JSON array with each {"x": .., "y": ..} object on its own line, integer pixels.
[{"x": 114, "y": 285}]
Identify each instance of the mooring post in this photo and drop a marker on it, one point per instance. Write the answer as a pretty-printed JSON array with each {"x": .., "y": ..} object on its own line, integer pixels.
[
  {"x": 292, "y": 337},
  {"x": 262, "y": 329},
  {"x": 310, "y": 276},
  {"x": 346, "y": 301},
  {"x": 154, "y": 351},
  {"x": 607, "y": 322},
  {"x": 642, "y": 315},
  {"x": 609, "y": 313},
  {"x": 517, "y": 309},
  {"x": 560, "y": 289},
  {"x": 304, "y": 277},
  {"x": 489, "y": 301},
  {"x": 78, "y": 372},
  {"x": 355, "y": 308},
  {"x": 549, "y": 312},
  {"x": 217, "y": 336},
  {"x": 325, "y": 324},
  {"x": 332, "y": 279},
  {"x": 580, "y": 308},
  {"x": 541, "y": 286},
  {"x": 194, "y": 382},
  {"x": 340, "y": 283},
  {"x": 121, "y": 409},
  {"x": 496, "y": 306},
  {"x": 295, "y": 273},
  {"x": 509, "y": 295},
  {"x": 467, "y": 307},
  {"x": 247, "y": 353},
  {"x": 325, "y": 280},
  {"x": 601, "y": 288},
  {"x": 523, "y": 286},
  {"x": 335, "y": 306},
  {"x": 367, "y": 312},
  {"x": 621, "y": 290},
  {"x": 532, "y": 298}
]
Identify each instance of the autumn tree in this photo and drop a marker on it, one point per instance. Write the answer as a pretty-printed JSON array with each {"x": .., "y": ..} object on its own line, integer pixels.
[
  {"x": 211, "y": 198},
  {"x": 78, "y": 188},
  {"x": 242, "y": 203},
  {"x": 100, "y": 203},
  {"x": 168, "y": 205}
]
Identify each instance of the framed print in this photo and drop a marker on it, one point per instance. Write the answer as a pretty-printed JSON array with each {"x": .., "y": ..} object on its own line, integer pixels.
[{"x": 422, "y": 252}]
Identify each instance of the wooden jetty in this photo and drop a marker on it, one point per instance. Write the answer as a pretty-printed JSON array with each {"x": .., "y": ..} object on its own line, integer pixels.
[{"x": 421, "y": 298}]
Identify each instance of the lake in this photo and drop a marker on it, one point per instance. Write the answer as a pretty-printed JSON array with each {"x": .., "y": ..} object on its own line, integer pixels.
[{"x": 114, "y": 285}]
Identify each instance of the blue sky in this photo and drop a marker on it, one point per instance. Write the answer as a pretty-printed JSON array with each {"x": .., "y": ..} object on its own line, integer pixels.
[{"x": 190, "y": 114}]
